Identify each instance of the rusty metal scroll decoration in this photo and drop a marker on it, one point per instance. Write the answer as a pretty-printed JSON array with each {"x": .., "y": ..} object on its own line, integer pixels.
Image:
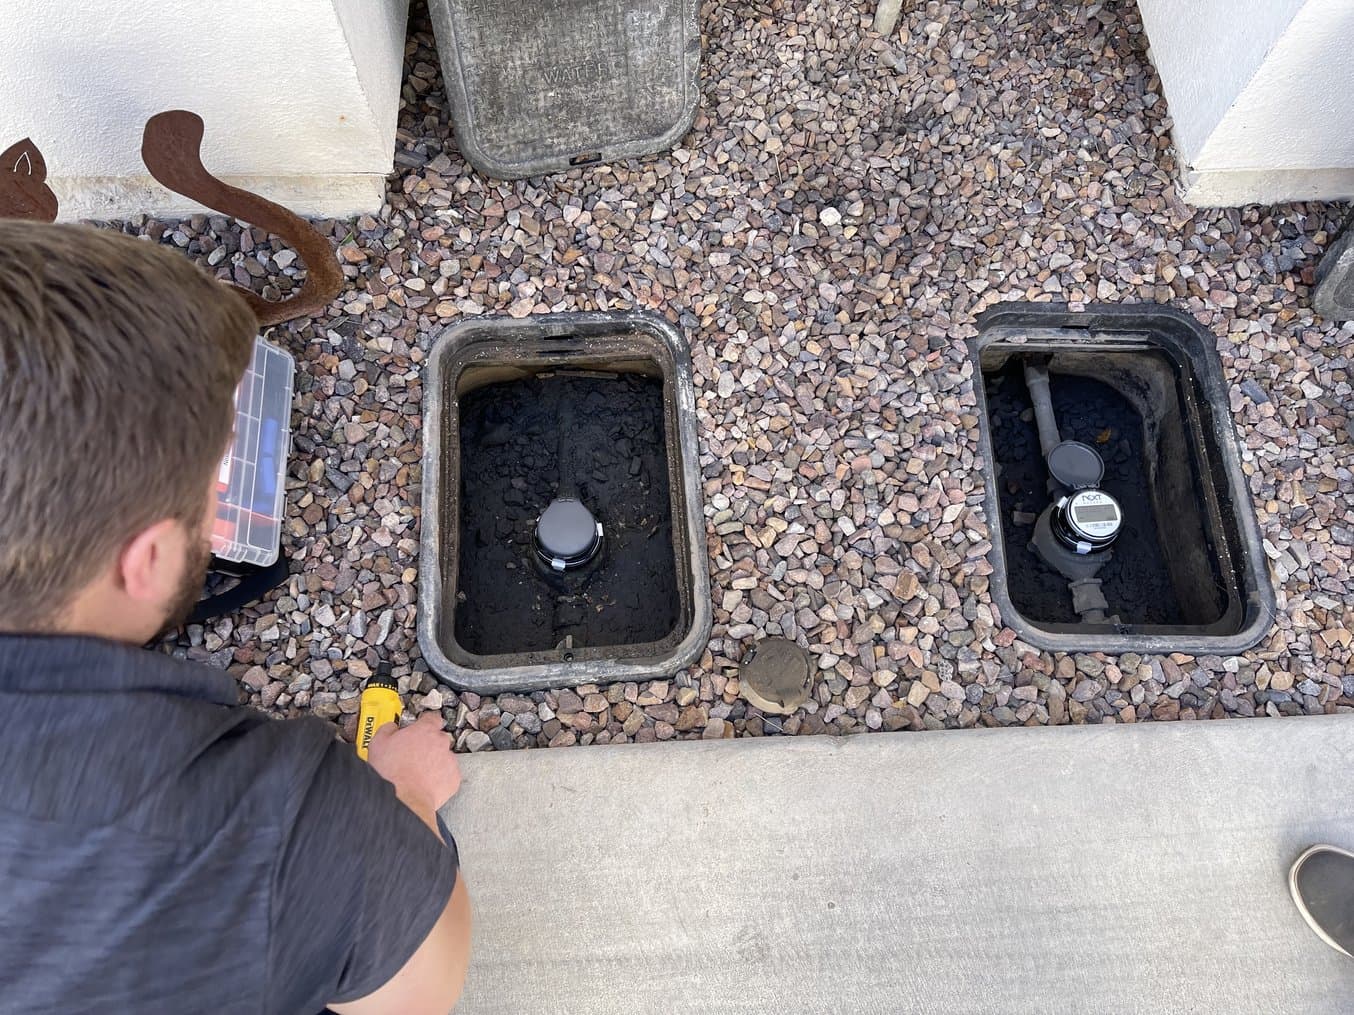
[
  {"x": 24, "y": 193},
  {"x": 171, "y": 148}
]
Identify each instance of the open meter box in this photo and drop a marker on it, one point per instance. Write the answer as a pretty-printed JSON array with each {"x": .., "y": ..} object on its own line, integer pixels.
[{"x": 251, "y": 484}]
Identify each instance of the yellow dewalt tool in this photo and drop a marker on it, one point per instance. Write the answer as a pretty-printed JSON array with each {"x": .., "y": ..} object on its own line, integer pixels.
[{"x": 380, "y": 704}]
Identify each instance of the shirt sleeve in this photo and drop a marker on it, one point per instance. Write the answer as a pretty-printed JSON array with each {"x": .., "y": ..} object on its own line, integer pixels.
[{"x": 360, "y": 883}]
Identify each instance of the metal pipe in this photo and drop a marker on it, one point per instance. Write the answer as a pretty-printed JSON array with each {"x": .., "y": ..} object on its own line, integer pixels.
[
  {"x": 1036, "y": 379},
  {"x": 1088, "y": 599},
  {"x": 1093, "y": 617},
  {"x": 566, "y": 456}
]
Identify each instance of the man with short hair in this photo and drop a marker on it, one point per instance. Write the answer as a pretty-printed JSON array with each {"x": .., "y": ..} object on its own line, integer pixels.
[{"x": 162, "y": 848}]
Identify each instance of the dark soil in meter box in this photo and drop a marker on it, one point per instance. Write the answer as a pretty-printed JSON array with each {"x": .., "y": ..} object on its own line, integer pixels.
[
  {"x": 510, "y": 436},
  {"x": 1137, "y": 581},
  {"x": 1141, "y": 388}
]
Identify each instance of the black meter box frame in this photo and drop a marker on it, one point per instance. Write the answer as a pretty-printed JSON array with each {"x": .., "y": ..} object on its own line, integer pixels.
[
  {"x": 488, "y": 350},
  {"x": 1216, "y": 532}
]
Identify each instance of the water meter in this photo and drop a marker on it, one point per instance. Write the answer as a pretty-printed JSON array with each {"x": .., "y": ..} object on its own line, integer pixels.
[
  {"x": 568, "y": 536},
  {"x": 1087, "y": 520}
]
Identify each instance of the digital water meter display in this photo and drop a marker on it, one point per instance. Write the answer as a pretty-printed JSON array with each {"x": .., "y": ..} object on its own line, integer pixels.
[
  {"x": 1087, "y": 521},
  {"x": 1097, "y": 513}
]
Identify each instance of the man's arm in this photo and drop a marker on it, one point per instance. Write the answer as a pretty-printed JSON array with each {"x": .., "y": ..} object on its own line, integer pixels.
[
  {"x": 431, "y": 981},
  {"x": 419, "y": 762}
]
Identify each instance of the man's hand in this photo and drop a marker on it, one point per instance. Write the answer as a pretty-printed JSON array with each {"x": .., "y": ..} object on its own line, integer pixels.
[{"x": 418, "y": 760}]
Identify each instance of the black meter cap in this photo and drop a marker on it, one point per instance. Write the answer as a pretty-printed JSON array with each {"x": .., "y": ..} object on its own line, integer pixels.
[
  {"x": 1075, "y": 465},
  {"x": 567, "y": 531}
]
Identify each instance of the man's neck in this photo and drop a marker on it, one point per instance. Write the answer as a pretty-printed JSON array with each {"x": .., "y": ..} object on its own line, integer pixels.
[{"x": 100, "y": 611}]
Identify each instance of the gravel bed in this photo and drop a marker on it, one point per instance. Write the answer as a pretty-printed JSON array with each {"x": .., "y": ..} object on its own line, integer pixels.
[{"x": 843, "y": 207}]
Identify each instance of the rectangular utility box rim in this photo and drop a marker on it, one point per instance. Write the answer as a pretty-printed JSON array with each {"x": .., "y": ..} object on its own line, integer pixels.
[
  {"x": 1231, "y": 523},
  {"x": 482, "y": 350}
]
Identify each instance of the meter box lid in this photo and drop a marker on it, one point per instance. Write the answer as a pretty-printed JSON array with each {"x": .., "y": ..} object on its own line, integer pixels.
[
  {"x": 250, "y": 486},
  {"x": 540, "y": 87}
]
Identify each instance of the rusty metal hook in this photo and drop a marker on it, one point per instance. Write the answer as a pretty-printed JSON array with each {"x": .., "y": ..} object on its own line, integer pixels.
[
  {"x": 24, "y": 193},
  {"x": 171, "y": 148}
]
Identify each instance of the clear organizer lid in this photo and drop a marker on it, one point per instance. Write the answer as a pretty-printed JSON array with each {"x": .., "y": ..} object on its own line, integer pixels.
[{"x": 250, "y": 485}]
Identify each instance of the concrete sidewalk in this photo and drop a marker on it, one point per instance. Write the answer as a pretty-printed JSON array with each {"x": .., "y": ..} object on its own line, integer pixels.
[{"x": 1069, "y": 869}]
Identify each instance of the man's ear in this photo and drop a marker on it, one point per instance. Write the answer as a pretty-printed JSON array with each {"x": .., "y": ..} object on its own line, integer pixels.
[{"x": 148, "y": 567}]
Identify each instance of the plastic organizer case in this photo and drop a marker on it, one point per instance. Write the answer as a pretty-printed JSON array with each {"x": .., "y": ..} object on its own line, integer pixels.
[{"x": 250, "y": 484}]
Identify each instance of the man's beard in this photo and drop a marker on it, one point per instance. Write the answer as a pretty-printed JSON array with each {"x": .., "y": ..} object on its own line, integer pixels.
[{"x": 190, "y": 587}]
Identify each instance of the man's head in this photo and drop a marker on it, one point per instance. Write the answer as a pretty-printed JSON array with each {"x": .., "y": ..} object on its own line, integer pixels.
[{"x": 118, "y": 362}]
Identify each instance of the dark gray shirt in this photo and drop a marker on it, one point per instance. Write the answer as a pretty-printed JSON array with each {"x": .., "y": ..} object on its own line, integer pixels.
[{"x": 163, "y": 849}]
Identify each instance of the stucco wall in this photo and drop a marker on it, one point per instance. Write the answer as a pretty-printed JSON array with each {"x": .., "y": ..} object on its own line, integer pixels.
[
  {"x": 1298, "y": 107},
  {"x": 299, "y": 98},
  {"x": 1259, "y": 91},
  {"x": 1204, "y": 62}
]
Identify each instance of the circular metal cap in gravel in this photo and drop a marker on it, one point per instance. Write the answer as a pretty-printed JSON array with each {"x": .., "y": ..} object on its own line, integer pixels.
[
  {"x": 776, "y": 675},
  {"x": 567, "y": 532},
  {"x": 1076, "y": 465}
]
